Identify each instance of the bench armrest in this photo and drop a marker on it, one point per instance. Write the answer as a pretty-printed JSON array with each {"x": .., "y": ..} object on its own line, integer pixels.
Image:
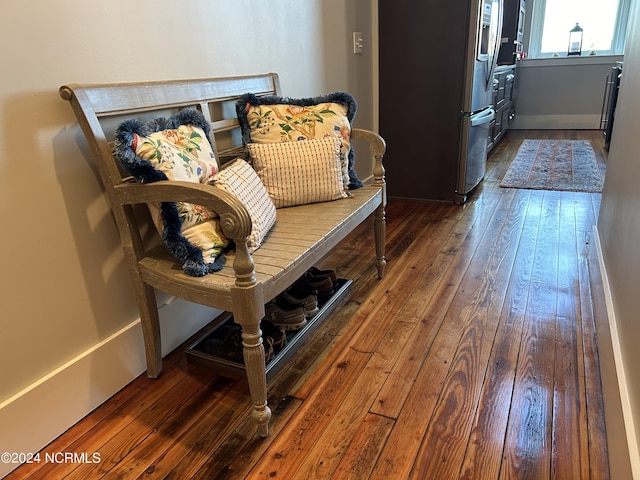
[
  {"x": 234, "y": 218},
  {"x": 377, "y": 148}
]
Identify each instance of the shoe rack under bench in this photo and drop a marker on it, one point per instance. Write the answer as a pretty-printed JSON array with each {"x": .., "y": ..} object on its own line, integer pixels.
[{"x": 197, "y": 355}]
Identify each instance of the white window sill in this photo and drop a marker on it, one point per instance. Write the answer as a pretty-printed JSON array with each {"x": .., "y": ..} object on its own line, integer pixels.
[{"x": 571, "y": 61}]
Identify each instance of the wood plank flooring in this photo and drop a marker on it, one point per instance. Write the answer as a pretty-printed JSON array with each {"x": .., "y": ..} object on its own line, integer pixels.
[{"x": 474, "y": 358}]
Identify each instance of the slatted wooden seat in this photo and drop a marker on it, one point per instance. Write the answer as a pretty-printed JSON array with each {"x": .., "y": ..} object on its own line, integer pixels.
[{"x": 301, "y": 237}]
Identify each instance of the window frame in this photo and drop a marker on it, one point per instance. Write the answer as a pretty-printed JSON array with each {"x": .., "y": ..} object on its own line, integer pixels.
[{"x": 537, "y": 23}]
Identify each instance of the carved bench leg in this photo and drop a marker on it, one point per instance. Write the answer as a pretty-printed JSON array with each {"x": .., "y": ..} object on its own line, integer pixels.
[
  {"x": 380, "y": 231},
  {"x": 256, "y": 376},
  {"x": 249, "y": 312}
]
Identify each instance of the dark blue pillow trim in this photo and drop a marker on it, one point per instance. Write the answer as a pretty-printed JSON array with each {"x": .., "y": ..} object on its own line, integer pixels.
[
  {"x": 144, "y": 172},
  {"x": 341, "y": 98}
]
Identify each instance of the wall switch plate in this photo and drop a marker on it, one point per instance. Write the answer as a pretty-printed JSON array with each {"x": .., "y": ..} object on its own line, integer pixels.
[{"x": 358, "y": 43}]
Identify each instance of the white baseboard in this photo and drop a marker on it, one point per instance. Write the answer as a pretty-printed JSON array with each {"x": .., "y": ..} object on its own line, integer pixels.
[
  {"x": 34, "y": 417},
  {"x": 555, "y": 122},
  {"x": 621, "y": 433}
]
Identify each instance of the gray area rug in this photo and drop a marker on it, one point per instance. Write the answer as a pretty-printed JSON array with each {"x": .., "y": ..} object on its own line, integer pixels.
[{"x": 568, "y": 165}]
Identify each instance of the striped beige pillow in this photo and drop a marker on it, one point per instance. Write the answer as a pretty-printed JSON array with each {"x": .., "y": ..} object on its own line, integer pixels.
[
  {"x": 240, "y": 180},
  {"x": 299, "y": 172}
]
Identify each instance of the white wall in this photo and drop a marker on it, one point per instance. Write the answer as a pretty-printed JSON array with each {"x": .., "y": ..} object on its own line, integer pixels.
[
  {"x": 619, "y": 233},
  {"x": 562, "y": 93},
  {"x": 69, "y": 332}
]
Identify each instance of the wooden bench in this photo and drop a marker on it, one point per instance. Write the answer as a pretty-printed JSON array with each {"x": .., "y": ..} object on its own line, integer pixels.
[{"x": 247, "y": 281}]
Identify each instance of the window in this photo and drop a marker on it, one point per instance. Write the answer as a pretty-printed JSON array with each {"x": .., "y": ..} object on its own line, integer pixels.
[{"x": 604, "y": 24}]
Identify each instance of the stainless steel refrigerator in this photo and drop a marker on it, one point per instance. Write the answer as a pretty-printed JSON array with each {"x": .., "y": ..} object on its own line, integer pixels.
[{"x": 436, "y": 68}]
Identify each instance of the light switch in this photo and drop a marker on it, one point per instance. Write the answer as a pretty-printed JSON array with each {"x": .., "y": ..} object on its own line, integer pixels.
[{"x": 358, "y": 43}]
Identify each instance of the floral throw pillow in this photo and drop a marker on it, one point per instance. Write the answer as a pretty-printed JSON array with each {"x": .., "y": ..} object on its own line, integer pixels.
[
  {"x": 177, "y": 148},
  {"x": 274, "y": 119}
]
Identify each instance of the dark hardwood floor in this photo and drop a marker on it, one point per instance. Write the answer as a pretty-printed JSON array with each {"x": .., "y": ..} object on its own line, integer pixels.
[{"x": 474, "y": 358}]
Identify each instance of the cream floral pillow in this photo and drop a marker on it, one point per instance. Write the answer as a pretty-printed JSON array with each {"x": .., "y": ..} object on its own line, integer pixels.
[
  {"x": 183, "y": 153},
  {"x": 177, "y": 148},
  {"x": 273, "y": 119}
]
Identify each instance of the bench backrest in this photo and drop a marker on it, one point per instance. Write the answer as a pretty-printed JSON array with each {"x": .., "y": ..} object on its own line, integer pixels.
[
  {"x": 100, "y": 109},
  {"x": 94, "y": 105}
]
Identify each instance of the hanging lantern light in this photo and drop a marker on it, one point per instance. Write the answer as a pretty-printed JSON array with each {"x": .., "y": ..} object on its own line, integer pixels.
[{"x": 575, "y": 40}]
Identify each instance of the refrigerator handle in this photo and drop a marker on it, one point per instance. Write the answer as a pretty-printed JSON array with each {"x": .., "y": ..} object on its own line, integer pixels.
[
  {"x": 497, "y": 40},
  {"x": 480, "y": 118}
]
